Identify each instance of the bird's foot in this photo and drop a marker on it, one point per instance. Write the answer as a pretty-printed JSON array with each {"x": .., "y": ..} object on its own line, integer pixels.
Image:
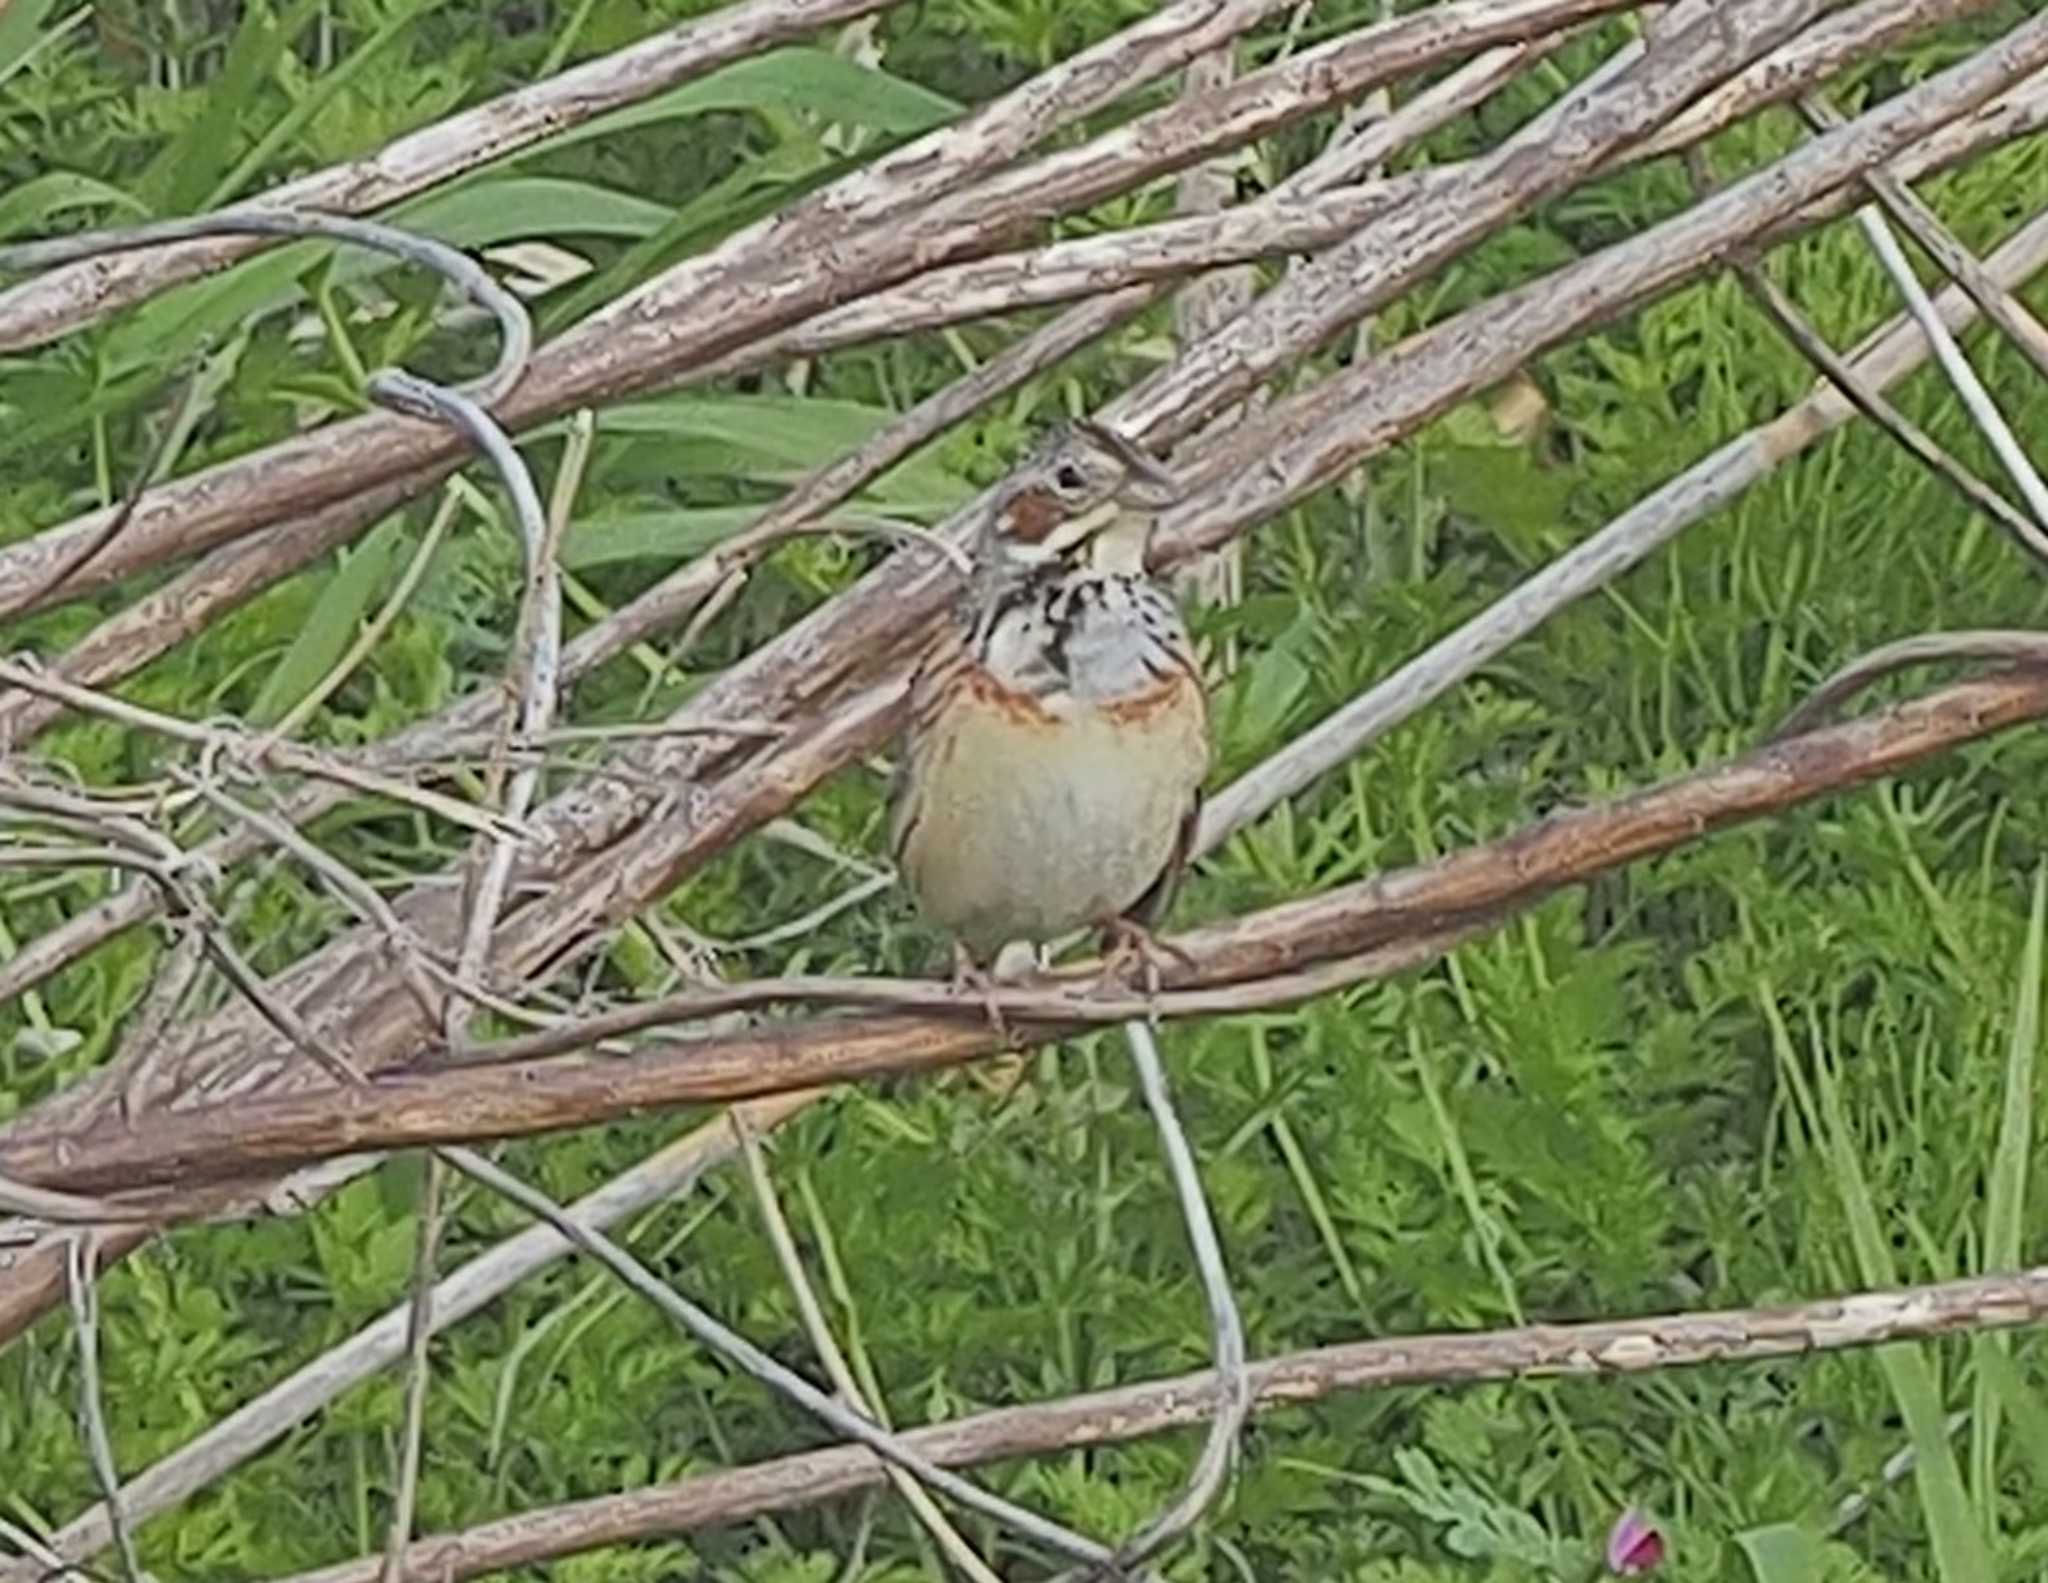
[
  {"x": 969, "y": 978},
  {"x": 1127, "y": 944}
]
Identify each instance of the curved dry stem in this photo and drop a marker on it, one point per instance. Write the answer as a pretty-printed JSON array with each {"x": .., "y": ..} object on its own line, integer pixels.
[
  {"x": 1233, "y": 1402},
  {"x": 1930, "y": 648},
  {"x": 515, "y": 327},
  {"x": 947, "y": 1537}
]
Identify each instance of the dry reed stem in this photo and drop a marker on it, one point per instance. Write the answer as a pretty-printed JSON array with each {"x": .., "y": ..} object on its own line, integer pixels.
[
  {"x": 1609, "y": 1347},
  {"x": 231, "y": 574},
  {"x": 1273, "y": 957},
  {"x": 30, "y": 1287}
]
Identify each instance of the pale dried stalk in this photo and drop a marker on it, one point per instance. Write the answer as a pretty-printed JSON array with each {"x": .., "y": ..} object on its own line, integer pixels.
[
  {"x": 536, "y": 657},
  {"x": 1706, "y": 45},
  {"x": 239, "y": 1435},
  {"x": 1793, "y": 324},
  {"x": 1203, "y": 306},
  {"x": 58, "y": 1209},
  {"x": 839, "y": 479},
  {"x": 1286, "y": 953},
  {"x": 1905, "y": 206},
  {"x": 1226, "y": 1326},
  {"x": 288, "y": 757},
  {"x": 131, "y": 637},
  {"x": 855, "y": 641},
  {"x": 912, "y": 594},
  {"x": 777, "y": 272},
  {"x": 1611, "y": 1347},
  {"x": 1360, "y": 410},
  {"x": 43, "y": 309},
  {"x": 769, "y": 682},
  {"x": 735, "y": 1348},
  {"x": 231, "y": 574},
  {"x": 1885, "y": 358},
  {"x": 761, "y": 674},
  {"x": 81, "y": 1274},
  {"x": 314, "y": 1045},
  {"x": 419, "y": 1328},
  {"x": 415, "y": 968},
  {"x": 1931, "y": 648},
  {"x": 1976, "y": 399},
  {"x": 948, "y": 1538}
]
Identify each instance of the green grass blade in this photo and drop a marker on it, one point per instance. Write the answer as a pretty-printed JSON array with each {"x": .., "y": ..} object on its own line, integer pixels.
[
  {"x": 21, "y": 34},
  {"x": 330, "y": 626},
  {"x": 2005, "y": 1195},
  {"x": 814, "y": 80},
  {"x": 1960, "y": 1551},
  {"x": 2025, "y": 1405},
  {"x": 323, "y": 92},
  {"x": 179, "y": 178},
  {"x": 31, "y": 206}
]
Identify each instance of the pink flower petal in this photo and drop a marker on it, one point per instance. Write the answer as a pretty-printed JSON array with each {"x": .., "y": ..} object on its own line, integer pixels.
[{"x": 1634, "y": 1546}]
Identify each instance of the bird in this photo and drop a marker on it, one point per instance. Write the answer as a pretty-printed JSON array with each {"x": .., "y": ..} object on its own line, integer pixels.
[{"x": 1059, "y": 726}]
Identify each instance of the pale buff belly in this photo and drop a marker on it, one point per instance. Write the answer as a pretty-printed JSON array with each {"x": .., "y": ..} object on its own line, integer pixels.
[{"x": 1022, "y": 829}]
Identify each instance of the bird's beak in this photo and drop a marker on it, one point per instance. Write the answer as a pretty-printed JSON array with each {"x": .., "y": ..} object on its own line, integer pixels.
[{"x": 1146, "y": 482}]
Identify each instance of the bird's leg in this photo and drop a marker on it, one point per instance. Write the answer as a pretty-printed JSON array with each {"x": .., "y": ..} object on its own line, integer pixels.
[
  {"x": 1127, "y": 943},
  {"x": 969, "y": 978}
]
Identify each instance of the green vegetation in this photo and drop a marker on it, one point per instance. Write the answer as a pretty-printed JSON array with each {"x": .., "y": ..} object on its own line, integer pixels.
[{"x": 1789, "y": 1060}]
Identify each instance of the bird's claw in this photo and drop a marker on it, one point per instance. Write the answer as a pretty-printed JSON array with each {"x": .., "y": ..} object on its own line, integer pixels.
[
  {"x": 1128, "y": 943},
  {"x": 969, "y": 978}
]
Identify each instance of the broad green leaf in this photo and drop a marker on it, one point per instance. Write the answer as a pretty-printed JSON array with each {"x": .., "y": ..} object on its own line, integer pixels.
[
  {"x": 31, "y": 206},
  {"x": 330, "y": 626},
  {"x": 748, "y": 192},
  {"x": 677, "y": 535},
  {"x": 815, "y": 80},
  {"x": 652, "y": 535},
  {"x": 1781, "y": 1553},
  {"x": 777, "y": 438},
  {"x": 506, "y": 208},
  {"x": 53, "y": 404},
  {"x": 162, "y": 331}
]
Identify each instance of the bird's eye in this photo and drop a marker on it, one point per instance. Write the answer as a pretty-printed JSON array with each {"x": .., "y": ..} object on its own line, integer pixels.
[{"x": 1068, "y": 476}]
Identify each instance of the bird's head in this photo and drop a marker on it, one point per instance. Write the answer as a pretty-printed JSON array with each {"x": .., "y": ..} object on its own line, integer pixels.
[{"x": 1086, "y": 498}]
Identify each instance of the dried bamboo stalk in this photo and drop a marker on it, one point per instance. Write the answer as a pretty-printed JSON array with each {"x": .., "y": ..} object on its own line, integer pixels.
[{"x": 775, "y": 779}]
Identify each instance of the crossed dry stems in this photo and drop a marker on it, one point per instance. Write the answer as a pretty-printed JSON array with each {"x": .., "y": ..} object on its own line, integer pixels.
[{"x": 914, "y": 239}]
